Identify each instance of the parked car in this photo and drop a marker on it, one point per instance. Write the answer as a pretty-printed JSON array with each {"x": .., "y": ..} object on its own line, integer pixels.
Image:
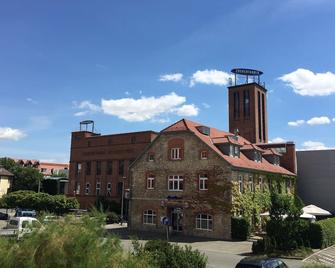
[
  {"x": 24, "y": 212},
  {"x": 261, "y": 262},
  {"x": 3, "y": 216},
  {"x": 21, "y": 226}
]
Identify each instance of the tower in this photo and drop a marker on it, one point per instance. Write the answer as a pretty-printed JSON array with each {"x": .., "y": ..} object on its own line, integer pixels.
[{"x": 247, "y": 106}]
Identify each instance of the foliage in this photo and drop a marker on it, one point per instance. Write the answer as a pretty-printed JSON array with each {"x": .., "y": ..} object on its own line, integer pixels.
[
  {"x": 25, "y": 178},
  {"x": 104, "y": 204},
  {"x": 322, "y": 233},
  {"x": 50, "y": 186},
  {"x": 70, "y": 242},
  {"x": 240, "y": 228},
  {"x": 166, "y": 255},
  {"x": 58, "y": 204}
]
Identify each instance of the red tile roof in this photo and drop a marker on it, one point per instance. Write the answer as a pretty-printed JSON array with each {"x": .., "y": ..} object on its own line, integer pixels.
[{"x": 215, "y": 134}]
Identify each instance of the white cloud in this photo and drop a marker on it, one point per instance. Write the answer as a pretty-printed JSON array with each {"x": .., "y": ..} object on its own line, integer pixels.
[
  {"x": 322, "y": 120},
  {"x": 82, "y": 113},
  {"x": 87, "y": 106},
  {"x": 314, "y": 145},
  {"x": 306, "y": 83},
  {"x": 31, "y": 100},
  {"x": 277, "y": 140},
  {"x": 296, "y": 123},
  {"x": 7, "y": 133},
  {"x": 171, "y": 77},
  {"x": 206, "y": 105},
  {"x": 210, "y": 77},
  {"x": 333, "y": 119},
  {"x": 148, "y": 108},
  {"x": 127, "y": 93},
  {"x": 187, "y": 110}
]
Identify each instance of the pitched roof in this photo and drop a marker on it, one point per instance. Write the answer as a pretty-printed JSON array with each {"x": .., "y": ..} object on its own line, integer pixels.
[
  {"x": 5, "y": 172},
  {"x": 215, "y": 134},
  {"x": 271, "y": 151}
]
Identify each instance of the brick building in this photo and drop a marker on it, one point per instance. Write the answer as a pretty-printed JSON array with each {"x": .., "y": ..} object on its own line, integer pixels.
[
  {"x": 99, "y": 163},
  {"x": 187, "y": 174}
]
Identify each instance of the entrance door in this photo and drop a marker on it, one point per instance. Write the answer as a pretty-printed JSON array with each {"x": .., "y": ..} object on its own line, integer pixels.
[{"x": 177, "y": 219}]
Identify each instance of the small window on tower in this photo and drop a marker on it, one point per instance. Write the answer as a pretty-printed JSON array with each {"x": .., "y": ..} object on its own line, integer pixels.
[{"x": 203, "y": 155}]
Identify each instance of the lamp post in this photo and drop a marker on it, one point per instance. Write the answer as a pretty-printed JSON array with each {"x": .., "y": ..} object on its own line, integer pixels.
[{"x": 122, "y": 197}]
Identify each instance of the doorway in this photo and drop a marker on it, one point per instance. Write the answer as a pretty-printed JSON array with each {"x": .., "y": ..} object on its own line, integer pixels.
[{"x": 177, "y": 219}]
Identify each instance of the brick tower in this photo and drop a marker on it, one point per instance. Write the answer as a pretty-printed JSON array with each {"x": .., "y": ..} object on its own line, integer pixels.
[{"x": 247, "y": 106}]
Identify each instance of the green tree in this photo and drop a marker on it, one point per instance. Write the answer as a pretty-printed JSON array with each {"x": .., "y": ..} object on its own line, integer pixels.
[{"x": 25, "y": 178}]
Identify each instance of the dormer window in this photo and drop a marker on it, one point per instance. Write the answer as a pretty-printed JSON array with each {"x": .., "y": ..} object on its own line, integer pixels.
[
  {"x": 276, "y": 160},
  {"x": 258, "y": 156},
  {"x": 204, "y": 130},
  {"x": 234, "y": 151}
]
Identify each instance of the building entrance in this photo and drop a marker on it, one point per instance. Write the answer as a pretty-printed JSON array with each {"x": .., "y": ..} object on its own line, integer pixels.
[{"x": 176, "y": 219}]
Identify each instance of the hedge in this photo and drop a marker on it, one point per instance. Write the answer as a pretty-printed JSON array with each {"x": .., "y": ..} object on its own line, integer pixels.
[
  {"x": 240, "y": 228},
  {"x": 322, "y": 233},
  {"x": 58, "y": 204}
]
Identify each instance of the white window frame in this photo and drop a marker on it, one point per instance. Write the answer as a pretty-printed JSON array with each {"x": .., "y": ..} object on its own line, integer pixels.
[
  {"x": 204, "y": 219},
  {"x": 87, "y": 189},
  {"x": 203, "y": 182},
  {"x": 240, "y": 184},
  {"x": 177, "y": 183},
  {"x": 149, "y": 218},
  {"x": 109, "y": 188},
  {"x": 77, "y": 190},
  {"x": 98, "y": 188},
  {"x": 251, "y": 184},
  {"x": 175, "y": 154},
  {"x": 205, "y": 156},
  {"x": 150, "y": 182}
]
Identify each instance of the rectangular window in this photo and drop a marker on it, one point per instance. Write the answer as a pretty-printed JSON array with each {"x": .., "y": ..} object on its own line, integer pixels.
[
  {"x": 175, "y": 154},
  {"x": 109, "y": 188},
  {"x": 251, "y": 184},
  {"x": 203, "y": 182},
  {"x": 236, "y": 105},
  {"x": 236, "y": 151},
  {"x": 77, "y": 188},
  {"x": 98, "y": 167},
  {"x": 203, "y": 155},
  {"x": 176, "y": 183},
  {"x": 246, "y": 104},
  {"x": 204, "y": 222},
  {"x": 110, "y": 167},
  {"x": 149, "y": 217},
  {"x": 87, "y": 189},
  {"x": 121, "y": 167},
  {"x": 151, "y": 183},
  {"x": 97, "y": 188},
  {"x": 88, "y": 168},
  {"x": 78, "y": 169},
  {"x": 259, "y": 118},
  {"x": 151, "y": 157},
  {"x": 240, "y": 184},
  {"x": 261, "y": 184},
  {"x": 263, "y": 117}
]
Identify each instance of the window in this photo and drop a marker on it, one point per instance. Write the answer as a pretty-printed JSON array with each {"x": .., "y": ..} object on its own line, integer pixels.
[
  {"x": 257, "y": 156},
  {"x": 149, "y": 217},
  {"x": 121, "y": 167},
  {"x": 203, "y": 155},
  {"x": 151, "y": 182},
  {"x": 203, "y": 182},
  {"x": 204, "y": 222},
  {"x": 251, "y": 184},
  {"x": 88, "y": 168},
  {"x": 77, "y": 188},
  {"x": 109, "y": 167},
  {"x": 119, "y": 188},
  {"x": 240, "y": 184},
  {"x": 109, "y": 188},
  {"x": 78, "y": 169},
  {"x": 97, "y": 188},
  {"x": 87, "y": 189},
  {"x": 133, "y": 139},
  {"x": 246, "y": 104},
  {"x": 151, "y": 157},
  {"x": 276, "y": 160},
  {"x": 236, "y": 151},
  {"x": 236, "y": 105},
  {"x": 175, "y": 154},
  {"x": 98, "y": 168},
  {"x": 288, "y": 185},
  {"x": 176, "y": 183},
  {"x": 261, "y": 185}
]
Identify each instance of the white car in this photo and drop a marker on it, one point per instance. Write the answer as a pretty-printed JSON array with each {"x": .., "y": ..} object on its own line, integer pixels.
[{"x": 23, "y": 225}]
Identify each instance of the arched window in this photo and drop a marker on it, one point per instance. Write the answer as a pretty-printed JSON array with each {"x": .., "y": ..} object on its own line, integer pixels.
[
  {"x": 204, "y": 222},
  {"x": 149, "y": 217}
]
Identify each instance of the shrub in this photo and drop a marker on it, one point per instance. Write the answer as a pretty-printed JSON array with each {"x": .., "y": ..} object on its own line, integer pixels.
[
  {"x": 104, "y": 204},
  {"x": 240, "y": 228},
  {"x": 322, "y": 233},
  {"x": 165, "y": 255},
  {"x": 58, "y": 204},
  {"x": 71, "y": 242}
]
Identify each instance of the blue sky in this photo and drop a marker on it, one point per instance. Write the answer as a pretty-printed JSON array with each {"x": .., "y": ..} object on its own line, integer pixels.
[{"x": 138, "y": 65}]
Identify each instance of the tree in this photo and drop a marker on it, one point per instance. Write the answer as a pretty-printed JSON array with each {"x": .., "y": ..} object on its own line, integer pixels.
[{"x": 25, "y": 178}]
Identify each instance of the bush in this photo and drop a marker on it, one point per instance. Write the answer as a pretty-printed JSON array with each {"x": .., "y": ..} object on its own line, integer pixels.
[
  {"x": 104, "y": 204},
  {"x": 165, "y": 255},
  {"x": 57, "y": 204},
  {"x": 240, "y": 228},
  {"x": 322, "y": 233},
  {"x": 71, "y": 242}
]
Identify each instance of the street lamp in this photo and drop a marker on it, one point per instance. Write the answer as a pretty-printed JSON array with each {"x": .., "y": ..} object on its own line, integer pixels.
[{"x": 122, "y": 197}]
